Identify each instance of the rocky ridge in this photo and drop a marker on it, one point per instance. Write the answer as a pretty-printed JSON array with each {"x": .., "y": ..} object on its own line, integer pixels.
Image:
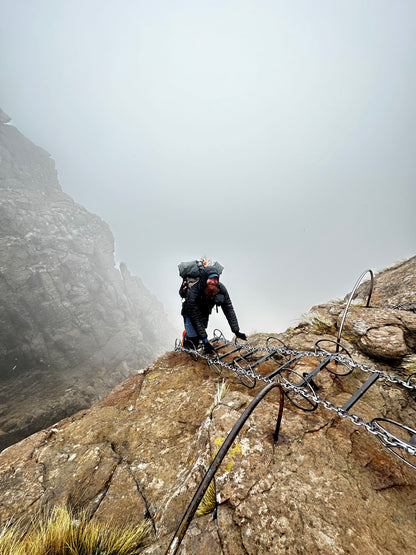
[
  {"x": 327, "y": 486},
  {"x": 72, "y": 325}
]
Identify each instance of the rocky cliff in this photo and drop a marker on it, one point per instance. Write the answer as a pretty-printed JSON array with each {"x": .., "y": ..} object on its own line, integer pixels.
[
  {"x": 72, "y": 325},
  {"x": 326, "y": 486}
]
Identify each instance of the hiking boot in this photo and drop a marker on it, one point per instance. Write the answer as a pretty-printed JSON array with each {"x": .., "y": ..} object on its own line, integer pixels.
[{"x": 191, "y": 342}]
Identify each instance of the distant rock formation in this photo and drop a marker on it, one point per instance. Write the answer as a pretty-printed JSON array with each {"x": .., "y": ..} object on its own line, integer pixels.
[
  {"x": 71, "y": 325},
  {"x": 327, "y": 486}
]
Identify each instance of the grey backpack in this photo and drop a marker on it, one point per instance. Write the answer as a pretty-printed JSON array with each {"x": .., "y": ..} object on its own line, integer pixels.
[{"x": 190, "y": 273}]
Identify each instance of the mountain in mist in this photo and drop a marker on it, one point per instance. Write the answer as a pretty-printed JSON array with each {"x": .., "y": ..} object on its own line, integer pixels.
[
  {"x": 72, "y": 325},
  {"x": 326, "y": 487}
]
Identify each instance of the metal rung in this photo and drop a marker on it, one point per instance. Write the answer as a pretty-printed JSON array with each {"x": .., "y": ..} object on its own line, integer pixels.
[
  {"x": 231, "y": 352},
  {"x": 309, "y": 377},
  {"x": 258, "y": 362},
  {"x": 360, "y": 392},
  {"x": 284, "y": 366}
]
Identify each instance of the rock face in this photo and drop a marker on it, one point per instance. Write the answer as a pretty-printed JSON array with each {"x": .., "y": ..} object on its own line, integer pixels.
[
  {"x": 71, "y": 325},
  {"x": 388, "y": 330},
  {"x": 327, "y": 486}
]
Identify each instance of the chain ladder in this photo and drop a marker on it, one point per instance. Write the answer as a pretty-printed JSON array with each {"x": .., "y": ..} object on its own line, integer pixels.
[
  {"x": 336, "y": 357},
  {"x": 342, "y": 359},
  {"x": 390, "y": 440}
]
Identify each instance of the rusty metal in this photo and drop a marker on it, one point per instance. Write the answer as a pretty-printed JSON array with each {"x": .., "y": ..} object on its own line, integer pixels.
[{"x": 280, "y": 414}]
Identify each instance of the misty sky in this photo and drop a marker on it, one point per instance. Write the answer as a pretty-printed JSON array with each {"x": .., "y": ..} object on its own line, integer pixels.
[{"x": 278, "y": 138}]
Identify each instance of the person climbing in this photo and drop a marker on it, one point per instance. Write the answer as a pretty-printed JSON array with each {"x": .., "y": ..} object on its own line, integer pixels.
[{"x": 197, "y": 307}]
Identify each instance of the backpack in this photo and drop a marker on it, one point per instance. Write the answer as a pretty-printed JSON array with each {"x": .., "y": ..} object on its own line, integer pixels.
[{"x": 190, "y": 273}]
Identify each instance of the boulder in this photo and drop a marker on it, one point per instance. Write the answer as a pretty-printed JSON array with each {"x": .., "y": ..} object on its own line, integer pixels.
[{"x": 381, "y": 332}]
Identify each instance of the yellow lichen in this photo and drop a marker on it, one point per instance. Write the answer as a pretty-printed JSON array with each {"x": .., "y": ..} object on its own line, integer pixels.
[
  {"x": 233, "y": 452},
  {"x": 229, "y": 466},
  {"x": 236, "y": 450}
]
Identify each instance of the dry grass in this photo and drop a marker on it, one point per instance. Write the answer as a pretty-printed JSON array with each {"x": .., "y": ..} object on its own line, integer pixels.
[
  {"x": 63, "y": 533},
  {"x": 408, "y": 364},
  {"x": 222, "y": 390},
  {"x": 209, "y": 501},
  {"x": 317, "y": 323}
]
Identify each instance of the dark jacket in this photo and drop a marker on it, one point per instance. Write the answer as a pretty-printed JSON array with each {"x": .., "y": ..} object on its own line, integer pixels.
[{"x": 198, "y": 306}]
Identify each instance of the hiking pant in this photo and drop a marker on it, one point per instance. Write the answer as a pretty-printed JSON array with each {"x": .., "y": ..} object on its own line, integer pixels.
[{"x": 190, "y": 330}]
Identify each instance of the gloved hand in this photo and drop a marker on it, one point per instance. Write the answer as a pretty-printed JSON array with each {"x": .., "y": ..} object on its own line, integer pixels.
[
  {"x": 208, "y": 348},
  {"x": 241, "y": 335}
]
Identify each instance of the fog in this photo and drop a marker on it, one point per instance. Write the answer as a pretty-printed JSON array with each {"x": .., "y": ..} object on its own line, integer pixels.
[{"x": 275, "y": 137}]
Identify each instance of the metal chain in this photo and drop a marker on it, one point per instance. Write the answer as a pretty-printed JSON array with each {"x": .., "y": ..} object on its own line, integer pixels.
[
  {"x": 388, "y": 377},
  {"x": 410, "y": 307},
  {"x": 388, "y": 439},
  {"x": 337, "y": 357}
]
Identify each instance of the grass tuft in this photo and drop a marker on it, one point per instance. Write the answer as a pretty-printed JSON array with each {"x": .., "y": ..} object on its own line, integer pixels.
[
  {"x": 317, "y": 323},
  {"x": 64, "y": 533},
  {"x": 408, "y": 364},
  {"x": 222, "y": 390},
  {"x": 208, "y": 502}
]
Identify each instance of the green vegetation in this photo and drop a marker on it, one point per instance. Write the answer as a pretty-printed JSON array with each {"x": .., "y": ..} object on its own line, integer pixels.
[{"x": 64, "y": 533}]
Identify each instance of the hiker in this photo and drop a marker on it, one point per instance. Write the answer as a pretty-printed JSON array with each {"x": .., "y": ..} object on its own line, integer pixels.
[{"x": 196, "y": 309}]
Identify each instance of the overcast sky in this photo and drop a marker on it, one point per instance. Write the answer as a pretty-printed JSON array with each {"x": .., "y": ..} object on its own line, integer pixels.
[{"x": 277, "y": 137}]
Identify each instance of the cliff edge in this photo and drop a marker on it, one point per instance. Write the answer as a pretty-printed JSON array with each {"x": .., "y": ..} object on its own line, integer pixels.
[{"x": 72, "y": 325}]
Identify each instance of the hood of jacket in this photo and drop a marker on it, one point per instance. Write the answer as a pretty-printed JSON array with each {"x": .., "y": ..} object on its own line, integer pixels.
[{"x": 208, "y": 270}]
